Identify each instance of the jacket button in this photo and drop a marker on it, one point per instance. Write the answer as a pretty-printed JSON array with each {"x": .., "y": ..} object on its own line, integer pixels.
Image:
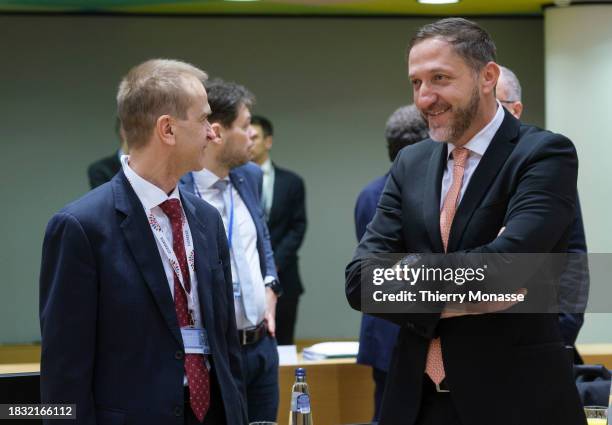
[
  {"x": 179, "y": 355},
  {"x": 178, "y": 411}
]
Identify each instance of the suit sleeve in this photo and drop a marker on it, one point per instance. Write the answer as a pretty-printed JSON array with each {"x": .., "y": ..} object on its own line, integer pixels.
[
  {"x": 68, "y": 310},
  {"x": 292, "y": 239},
  {"x": 540, "y": 208},
  {"x": 231, "y": 334},
  {"x": 574, "y": 283},
  {"x": 385, "y": 235}
]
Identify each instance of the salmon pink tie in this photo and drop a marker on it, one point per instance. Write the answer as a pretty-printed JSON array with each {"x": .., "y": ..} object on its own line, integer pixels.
[
  {"x": 195, "y": 369},
  {"x": 434, "y": 367}
]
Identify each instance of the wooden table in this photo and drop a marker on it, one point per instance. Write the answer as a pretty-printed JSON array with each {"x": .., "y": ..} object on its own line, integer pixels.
[{"x": 341, "y": 390}]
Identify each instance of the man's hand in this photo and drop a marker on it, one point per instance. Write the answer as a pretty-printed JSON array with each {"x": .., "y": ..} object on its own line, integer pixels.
[
  {"x": 270, "y": 314},
  {"x": 464, "y": 309}
]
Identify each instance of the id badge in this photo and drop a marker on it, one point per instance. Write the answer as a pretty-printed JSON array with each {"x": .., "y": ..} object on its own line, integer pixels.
[
  {"x": 195, "y": 340},
  {"x": 236, "y": 290}
]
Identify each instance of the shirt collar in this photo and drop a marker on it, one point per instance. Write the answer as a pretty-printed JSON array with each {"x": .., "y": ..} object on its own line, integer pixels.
[
  {"x": 266, "y": 167},
  {"x": 206, "y": 178},
  {"x": 481, "y": 141},
  {"x": 150, "y": 195}
]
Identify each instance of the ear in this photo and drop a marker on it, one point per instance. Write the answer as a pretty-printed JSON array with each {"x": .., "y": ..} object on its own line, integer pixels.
[
  {"x": 164, "y": 130},
  {"x": 217, "y": 128},
  {"x": 268, "y": 143},
  {"x": 518, "y": 109},
  {"x": 489, "y": 76}
]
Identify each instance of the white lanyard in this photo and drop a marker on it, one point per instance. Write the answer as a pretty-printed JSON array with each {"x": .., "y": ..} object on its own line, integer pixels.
[{"x": 169, "y": 252}]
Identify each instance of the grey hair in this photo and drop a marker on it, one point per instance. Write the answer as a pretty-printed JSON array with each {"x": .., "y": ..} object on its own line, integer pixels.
[
  {"x": 513, "y": 83},
  {"x": 405, "y": 126}
]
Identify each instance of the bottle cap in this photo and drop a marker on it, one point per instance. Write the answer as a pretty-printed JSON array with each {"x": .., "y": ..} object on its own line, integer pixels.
[{"x": 300, "y": 371}]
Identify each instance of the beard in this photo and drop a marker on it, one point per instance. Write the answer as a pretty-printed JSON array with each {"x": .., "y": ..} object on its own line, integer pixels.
[{"x": 461, "y": 120}]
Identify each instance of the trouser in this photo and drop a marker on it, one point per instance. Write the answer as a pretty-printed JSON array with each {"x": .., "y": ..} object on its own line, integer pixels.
[
  {"x": 286, "y": 317},
  {"x": 260, "y": 363}
]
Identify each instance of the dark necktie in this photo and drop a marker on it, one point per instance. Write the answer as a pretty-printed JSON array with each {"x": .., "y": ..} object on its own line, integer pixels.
[{"x": 197, "y": 373}]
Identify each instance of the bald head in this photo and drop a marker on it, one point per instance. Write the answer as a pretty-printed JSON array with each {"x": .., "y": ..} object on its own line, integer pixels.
[{"x": 508, "y": 91}]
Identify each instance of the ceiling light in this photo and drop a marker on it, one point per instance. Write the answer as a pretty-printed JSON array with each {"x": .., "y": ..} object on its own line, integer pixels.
[{"x": 437, "y": 1}]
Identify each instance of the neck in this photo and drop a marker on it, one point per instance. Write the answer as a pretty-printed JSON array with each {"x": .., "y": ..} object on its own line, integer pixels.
[
  {"x": 218, "y": 170},
  {"x": 482, "y": 118},
  {"x": 262, "y": 159},
  {"x": 215, "y": 166},
  {"x": 155, "y": 170}
]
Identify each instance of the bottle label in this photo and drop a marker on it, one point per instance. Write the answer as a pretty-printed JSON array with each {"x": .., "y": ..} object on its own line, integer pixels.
[{"x": 300, "y": 402}]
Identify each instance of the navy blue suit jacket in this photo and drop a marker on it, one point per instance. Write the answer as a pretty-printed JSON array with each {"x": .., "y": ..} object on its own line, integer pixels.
[
  {"x": 377, "y": 336},
  {"x": 111, "y": 341},
  {"x": 525, "y": 182},
  {"x": 247, "y": 179}
]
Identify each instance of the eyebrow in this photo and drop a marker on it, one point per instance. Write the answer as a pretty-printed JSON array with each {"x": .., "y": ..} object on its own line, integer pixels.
[{"x": 433, "y": 71}]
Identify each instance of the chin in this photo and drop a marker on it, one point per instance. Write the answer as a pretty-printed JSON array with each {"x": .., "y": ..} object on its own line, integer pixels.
[{"x": 439, "y": 135}]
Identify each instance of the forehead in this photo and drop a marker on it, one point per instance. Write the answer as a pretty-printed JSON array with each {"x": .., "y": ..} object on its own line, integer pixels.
[{"x": 433, "y": 54}]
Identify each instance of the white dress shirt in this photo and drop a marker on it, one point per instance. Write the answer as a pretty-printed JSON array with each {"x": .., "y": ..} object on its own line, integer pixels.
[
  {"x": 267, "y": 194},
  {"x": 151, "y": 197},
  {"x": 244, "y": 228},
  {"x": 477, "y": 147}
]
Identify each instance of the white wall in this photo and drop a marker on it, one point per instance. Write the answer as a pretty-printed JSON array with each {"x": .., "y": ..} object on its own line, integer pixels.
[{"x": 578, "y": 51}]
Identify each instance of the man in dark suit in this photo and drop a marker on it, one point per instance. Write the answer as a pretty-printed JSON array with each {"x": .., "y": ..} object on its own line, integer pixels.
[
  {"x": 574, "y": 283},
  {"x": 284, "y": 204},
  {"x": 103, "y": 170},
  {"x": 136, "y": 303},
  {"x": 377, "y": 336},
  {"x": 232, "y": 185},
  {"x": 482, "y": 184}
]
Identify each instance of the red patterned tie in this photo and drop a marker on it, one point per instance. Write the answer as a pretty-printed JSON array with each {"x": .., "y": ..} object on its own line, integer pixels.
[
  {"x": 195, "y": 369},
  {"x": 434, "y": 366}
]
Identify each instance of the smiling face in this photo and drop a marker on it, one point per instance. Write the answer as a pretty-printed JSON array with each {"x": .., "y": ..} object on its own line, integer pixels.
[{"x": 446, "y": 91}]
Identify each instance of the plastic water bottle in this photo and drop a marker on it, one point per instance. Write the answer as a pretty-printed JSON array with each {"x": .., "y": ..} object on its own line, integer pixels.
[{"x": 300, "y": 413}]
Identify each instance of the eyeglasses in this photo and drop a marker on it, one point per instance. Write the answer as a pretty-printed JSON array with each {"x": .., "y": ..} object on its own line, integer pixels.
[{"x": 507, "y": 101}]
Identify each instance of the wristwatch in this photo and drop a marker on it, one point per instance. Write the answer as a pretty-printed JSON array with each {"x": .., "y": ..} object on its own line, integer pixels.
[{"x": 275, "y": 286}]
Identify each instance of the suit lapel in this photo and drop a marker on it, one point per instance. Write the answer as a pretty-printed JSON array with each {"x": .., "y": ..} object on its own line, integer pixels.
[
  {"x": 431, "y": 202},
  {"x": 202, "y": 265},
  {"x": 251, "y": 203},
  {"x": 492, "y": 161},
  {"x": 140, "y": 239}
]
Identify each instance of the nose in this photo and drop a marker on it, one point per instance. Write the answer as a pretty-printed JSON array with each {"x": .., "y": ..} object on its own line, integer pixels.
[{"x": 424, "y": 97}]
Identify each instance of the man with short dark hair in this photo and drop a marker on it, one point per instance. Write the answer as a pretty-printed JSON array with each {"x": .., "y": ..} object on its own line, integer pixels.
[
  {"x": 377, "y": 336},
  {"x": 483, "y": 186},
  {"x": 136, "y": 300},
  {"x": 284, "y": 204},
  {"x": 231, "y": 184}
]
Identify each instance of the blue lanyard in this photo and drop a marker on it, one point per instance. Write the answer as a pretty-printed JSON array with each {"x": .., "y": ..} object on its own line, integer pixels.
[{"x": 231, "y": 215}]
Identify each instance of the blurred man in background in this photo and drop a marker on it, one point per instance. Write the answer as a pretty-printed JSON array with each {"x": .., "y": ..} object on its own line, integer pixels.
[{"x": 284, "y": 204}]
